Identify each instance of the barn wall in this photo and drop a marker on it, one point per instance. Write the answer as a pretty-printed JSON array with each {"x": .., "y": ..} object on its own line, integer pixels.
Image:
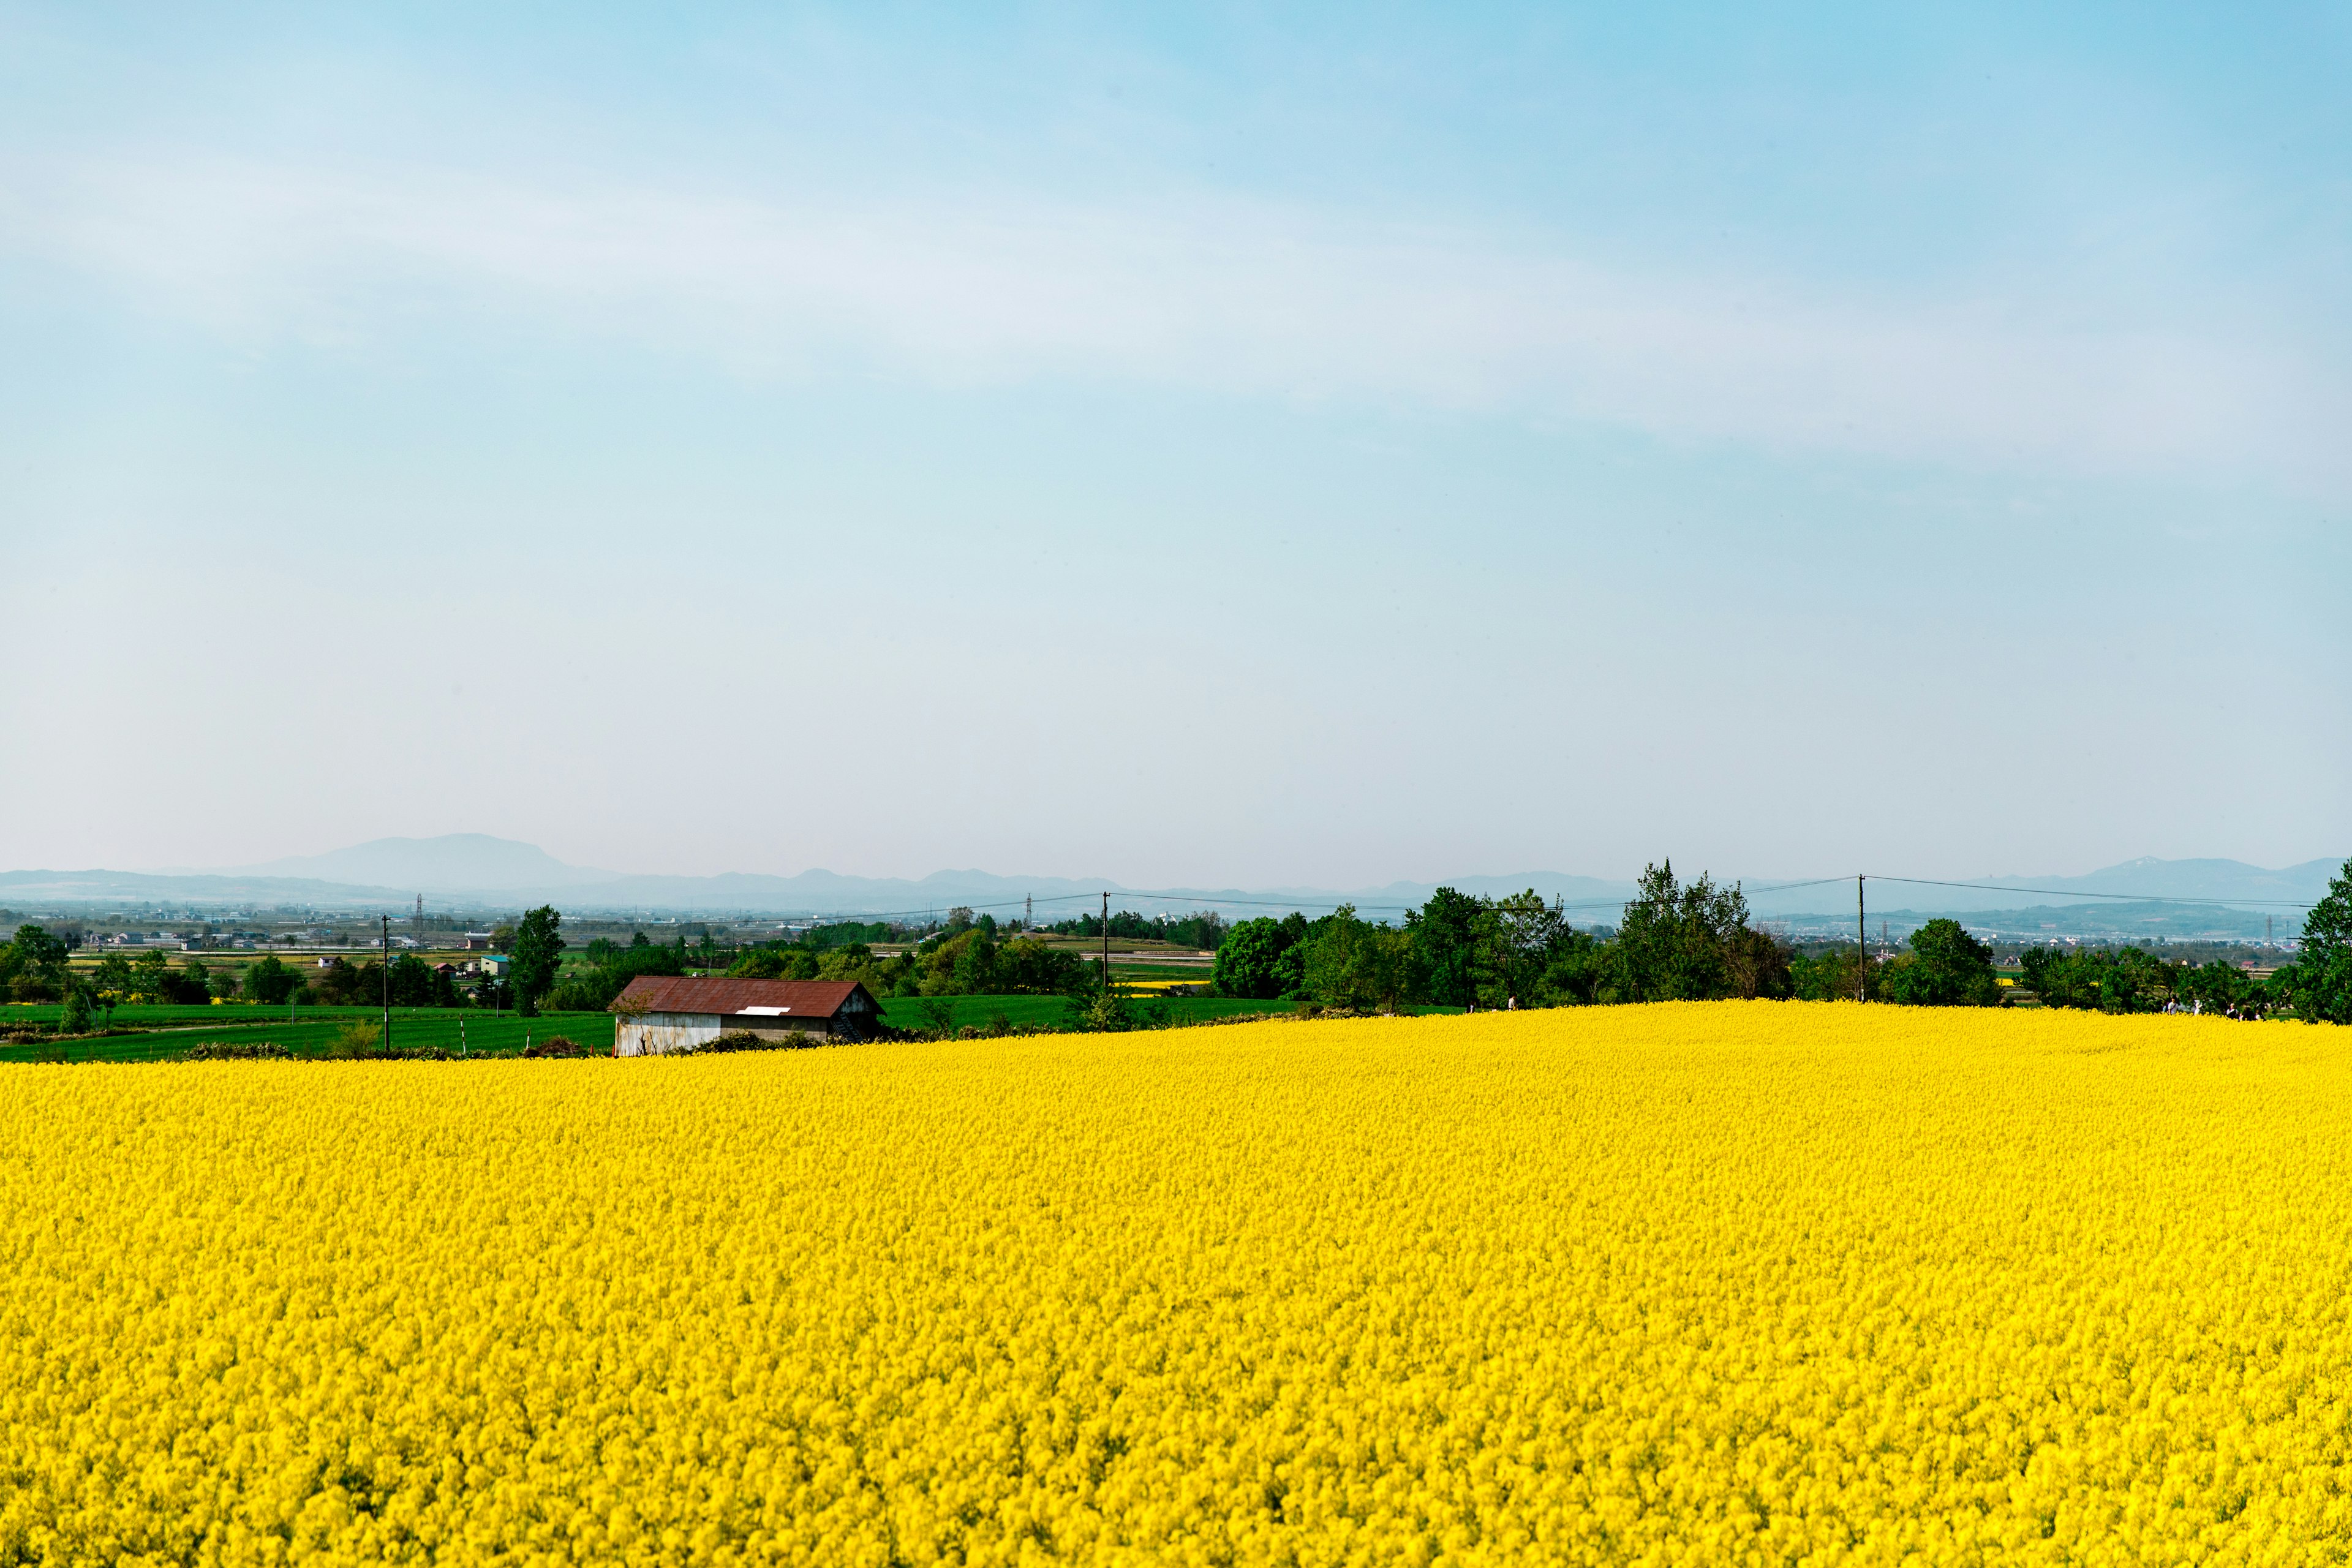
[{"x": 658, "y": 1034}]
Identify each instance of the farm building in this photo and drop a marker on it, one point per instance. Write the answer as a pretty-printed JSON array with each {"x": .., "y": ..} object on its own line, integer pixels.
[{"x": 681, "y": 1012}]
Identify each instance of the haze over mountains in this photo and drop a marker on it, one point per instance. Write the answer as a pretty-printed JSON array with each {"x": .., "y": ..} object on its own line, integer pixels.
[{"x": 471, "y": 869}]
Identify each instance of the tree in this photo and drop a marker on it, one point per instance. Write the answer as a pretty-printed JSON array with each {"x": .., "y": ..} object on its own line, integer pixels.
[
  {"x": 1946, "y": 968},
  {"x": 1755, "y": 964},
  {"x": 269, "y": 981},
  {"x": 1674, "y": 942},
  {"x": 111, "y": 982},
  {"x": 2217, "y": 987},
  {"x": 75, "y": 1019},
  {"x": 339, "y": 982},
  {"x": 1831, "y": 977},
  {"x": 2322, "y": 988},
  {"x": 1349, "y": 963},
  {"x": 412, "y": 982},
  {"x": 2131, "y": 981},
  {"x": 538, "y": 950},
  {"x": 35, "y": 963},
  {"x": 1260, "y": 958},
  {"x": 1528, "y": 956},
  {"x": 149, "y": 974},
  {"x": 1446, "y": 935}
]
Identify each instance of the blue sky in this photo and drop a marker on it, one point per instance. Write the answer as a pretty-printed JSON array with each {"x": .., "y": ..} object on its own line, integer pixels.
[{"x": 1188, "y": 447}]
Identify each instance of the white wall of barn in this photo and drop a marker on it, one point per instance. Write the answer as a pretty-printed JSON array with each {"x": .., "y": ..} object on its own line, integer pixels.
[{"x": 659, "y": 1034}]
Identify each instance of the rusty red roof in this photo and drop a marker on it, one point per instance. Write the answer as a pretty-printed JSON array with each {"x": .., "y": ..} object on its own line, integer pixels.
[{"x": 729, "y": 997}]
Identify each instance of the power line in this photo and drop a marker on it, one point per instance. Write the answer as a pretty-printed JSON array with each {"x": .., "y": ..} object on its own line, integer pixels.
[{"x": 2074, "y": 893}]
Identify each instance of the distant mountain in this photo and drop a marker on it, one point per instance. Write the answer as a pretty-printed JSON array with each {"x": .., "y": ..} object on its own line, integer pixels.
[
  {"x": 23, "y": 890},
  {"x": 2229, "y": 881},
  {"x": 453, "y": 863},
  {"x": 476, "y": 872}
]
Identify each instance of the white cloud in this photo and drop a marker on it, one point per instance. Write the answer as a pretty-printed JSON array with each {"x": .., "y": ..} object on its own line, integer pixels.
[{"x": 1226, "y": 295}]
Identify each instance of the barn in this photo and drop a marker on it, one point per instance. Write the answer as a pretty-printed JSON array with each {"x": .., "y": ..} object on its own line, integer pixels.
[{"x": 664, "y": 1013}]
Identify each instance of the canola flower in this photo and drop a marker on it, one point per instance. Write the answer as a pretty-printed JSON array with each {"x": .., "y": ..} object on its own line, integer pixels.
[{"x": 1747, "y": 1283}]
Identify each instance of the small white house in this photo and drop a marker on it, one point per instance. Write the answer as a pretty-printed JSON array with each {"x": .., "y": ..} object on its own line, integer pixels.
[{"x": 665, "y": 1013}]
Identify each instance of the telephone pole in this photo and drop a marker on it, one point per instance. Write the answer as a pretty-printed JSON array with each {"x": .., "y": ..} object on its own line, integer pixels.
[
  {"x": 1105, "y": 944},
  {"x": 1028, "y": 911},
  {"x": 387, "y": 983},
  {"x": 1860, "y": 945}
]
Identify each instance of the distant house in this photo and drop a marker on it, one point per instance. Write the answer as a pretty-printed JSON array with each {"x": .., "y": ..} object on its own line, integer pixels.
[
  {"x": 474, "y": 942},
  {"x": 681, "y": 1012},
  {"x": 495, "y": 963}
]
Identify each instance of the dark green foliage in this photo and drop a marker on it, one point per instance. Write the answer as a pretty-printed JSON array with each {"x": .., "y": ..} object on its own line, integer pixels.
[
  {"x": 1676, "y": 943},
  {"x": 1830, "y": 976},
  {"x": 267, "y": 980},
  {"x": 538, "y": 950},
  {"x": 2321, "y": 984},
  {"x": 1261, "y": 958},
  {"x": 37, "y": 950},
  {"x": 1445, "y": 934},
  {"x": 1947, "y": 967},
  {"x": 1348, "y": 963},
  {"x": 33, "y": 966},
  {"x": 341, "y": 983},
  {"x": 1206, "y": 930},
  {"x": 184, "y": 987},
  {"x": 147, "y": 976},
  {"x": 227, "y": 1051},
  {"x": 2216, "y": 987},
  {"x": 2130, "y": 981},
  {"x": 592, "y": 990}
]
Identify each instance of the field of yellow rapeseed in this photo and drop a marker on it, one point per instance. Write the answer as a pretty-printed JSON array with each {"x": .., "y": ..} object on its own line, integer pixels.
[{"x": 1706, "y": 1284}]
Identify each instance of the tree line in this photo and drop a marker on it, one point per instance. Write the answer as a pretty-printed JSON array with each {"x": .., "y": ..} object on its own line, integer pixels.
[
  {"x": 1675, "y": 941},
  {"x": 1695, "y": 941}
]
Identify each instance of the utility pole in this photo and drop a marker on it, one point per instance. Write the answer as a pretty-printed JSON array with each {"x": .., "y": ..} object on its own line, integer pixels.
[
  {"x": 1105, "y": 944},
  {"x": 1860, "y": 945},
  {"x": 1028, "y": 911},
  {"x": 420, "y": 921},
  {"x": 387, "y": 984}
]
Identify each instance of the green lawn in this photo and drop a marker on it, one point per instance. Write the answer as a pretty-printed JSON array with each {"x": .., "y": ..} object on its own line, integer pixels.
[
  {"x": 170, "y": 1031},
  {"x": 174, "y": 1029},
  {"x": 906, "y": 1012},
  {"x": 1050, "y": 1012},
  {"x": 224, "y": 1015}
]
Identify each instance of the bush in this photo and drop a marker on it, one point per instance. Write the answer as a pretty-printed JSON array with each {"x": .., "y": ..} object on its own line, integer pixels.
[
  {"x": 747, "y": 1040},
  {"x": 224, "y": 1051},
  {"x": 554, "y": 1046}
]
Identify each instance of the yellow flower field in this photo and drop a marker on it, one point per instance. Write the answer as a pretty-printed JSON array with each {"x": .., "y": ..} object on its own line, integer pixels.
[{"x": 1733, "y": 1283}]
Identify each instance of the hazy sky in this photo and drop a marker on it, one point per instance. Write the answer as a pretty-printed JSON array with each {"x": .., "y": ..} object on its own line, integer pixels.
[{"x": 1187, "y": 447}]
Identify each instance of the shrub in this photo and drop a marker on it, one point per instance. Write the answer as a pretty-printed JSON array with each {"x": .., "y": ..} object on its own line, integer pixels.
[
  {"x": 358, "y": 1039},
  {"x": 226, "y": 1051},
  {"x": 554, "y": 1046},
  {"x": 747, "y": 1040}
]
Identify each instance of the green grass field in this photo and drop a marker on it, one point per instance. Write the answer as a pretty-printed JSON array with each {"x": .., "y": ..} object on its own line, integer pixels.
[
  {"x": 176, "y": 1030},
  {"x": 1050, "y": 1012},
  {"x": 170, "y": 1031}
]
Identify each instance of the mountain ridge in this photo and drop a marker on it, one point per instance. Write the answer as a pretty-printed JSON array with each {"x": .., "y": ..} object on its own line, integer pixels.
[{"x": 469, "y": 870}]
